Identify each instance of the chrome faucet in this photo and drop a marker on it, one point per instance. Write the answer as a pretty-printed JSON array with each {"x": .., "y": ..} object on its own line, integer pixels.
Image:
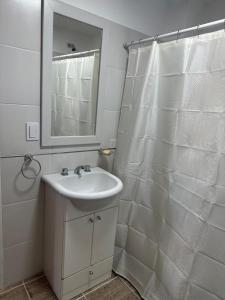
[
  {"x": 65, "y": 172},
  {"x": 86, "y": 168},
  {"x": 78, "y": 169}
]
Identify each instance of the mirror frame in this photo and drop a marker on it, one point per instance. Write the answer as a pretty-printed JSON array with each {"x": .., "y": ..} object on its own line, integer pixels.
[{"x": 49, "y": 7}]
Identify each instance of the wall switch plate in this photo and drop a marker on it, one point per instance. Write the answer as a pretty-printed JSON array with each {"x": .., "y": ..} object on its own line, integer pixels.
[{"x": 32, "y": 131}]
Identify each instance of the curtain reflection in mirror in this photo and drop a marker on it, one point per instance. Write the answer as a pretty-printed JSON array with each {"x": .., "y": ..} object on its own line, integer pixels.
[{"x": 74, "y": 93}]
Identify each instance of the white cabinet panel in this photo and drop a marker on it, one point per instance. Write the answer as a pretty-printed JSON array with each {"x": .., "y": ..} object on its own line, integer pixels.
[
  {"x": 87, "y": 278},
  {"x": 77, "y": 245},
  {"x": 76, "y": 281},
  {"x": 104, "y": 234},
  {"x": 103, "y": 267}
]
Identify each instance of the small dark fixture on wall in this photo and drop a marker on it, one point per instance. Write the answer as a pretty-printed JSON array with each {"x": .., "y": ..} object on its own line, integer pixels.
[{"x": 72, "y": 46}]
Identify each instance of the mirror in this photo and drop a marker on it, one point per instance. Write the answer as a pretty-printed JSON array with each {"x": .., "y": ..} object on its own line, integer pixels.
[
  {"x": 75, "y": 75},
  {"x": 71, "y": 60}
]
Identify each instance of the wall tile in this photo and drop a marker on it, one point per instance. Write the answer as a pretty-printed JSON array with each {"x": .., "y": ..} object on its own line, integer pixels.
[
  {"x": 16, "y": 188},
  {"x": 12, "y": 129},
  {"x": 20, "y": 23},
  {"x": 71, "y": 160},
  {"x": 113, "y": 88},
  {"x": 106, "y": 162},
  {"x": 22, "y": 261},
  {"x": 117, "y": 36},
  {"x": 22, "y": 222},
  {"x": 110, "y": 125},
  {"x": 19, "y": 76}
]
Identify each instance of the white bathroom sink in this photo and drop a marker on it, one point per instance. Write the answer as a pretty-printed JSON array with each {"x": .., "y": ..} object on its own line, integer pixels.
[{"x": 93, "y": 185}]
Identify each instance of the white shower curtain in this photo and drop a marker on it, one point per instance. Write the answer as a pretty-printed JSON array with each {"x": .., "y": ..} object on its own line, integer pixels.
[
  {"x": 171, "y": 157},
  {"x": 74, "y": 95}
]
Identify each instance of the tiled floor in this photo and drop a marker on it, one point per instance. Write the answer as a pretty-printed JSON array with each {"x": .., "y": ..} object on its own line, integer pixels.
[{"x": 38, "y": 288}]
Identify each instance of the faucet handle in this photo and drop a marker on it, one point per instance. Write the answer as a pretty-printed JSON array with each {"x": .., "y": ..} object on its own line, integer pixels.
[
  {"x": 78, "y": 169},
  {"x": 65, "y": 172},
  {"x": 87, "y": 168}
]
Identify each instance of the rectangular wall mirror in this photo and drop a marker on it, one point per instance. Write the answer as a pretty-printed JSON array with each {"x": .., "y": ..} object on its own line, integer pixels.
[{"x": 70, "y": 78}]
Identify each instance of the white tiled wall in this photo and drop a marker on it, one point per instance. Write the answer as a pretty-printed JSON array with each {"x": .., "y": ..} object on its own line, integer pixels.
[
  {"x": 22, "y": 212},
  {"x": 22, "y": 200},
  {"x": 17, "y": 66}
]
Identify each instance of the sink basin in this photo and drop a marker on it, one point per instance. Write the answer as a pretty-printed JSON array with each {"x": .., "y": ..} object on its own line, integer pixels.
[{"x": 94, "y": 185}]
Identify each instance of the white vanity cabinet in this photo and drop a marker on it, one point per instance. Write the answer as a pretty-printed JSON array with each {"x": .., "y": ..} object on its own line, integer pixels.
[
  {"x": 103, "y": 235},
  {"x": 78, "y": 240},
  {"x": 79, "y": 244}
]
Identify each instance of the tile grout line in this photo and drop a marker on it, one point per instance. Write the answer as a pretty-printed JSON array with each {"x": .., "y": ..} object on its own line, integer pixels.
[
  {"x": 11, "y": 289},
  {"x": 28, "y": 295},
  {"x": 124, "y": 283},
  {"x": 84, "y": 297},
  {"x": 101, "y": 285},
  {"x": 20, "y": 285},
  {"x": 80, "y": 297},
  {"x": 34, "y": 279},
  {"x": 18, "y": 203},
  {"x": 20, "y": 48}
]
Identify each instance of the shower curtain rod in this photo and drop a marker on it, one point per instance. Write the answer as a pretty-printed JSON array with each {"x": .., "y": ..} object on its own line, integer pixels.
[
  {"x": 72, "y": 55},
  {"x": 176, "y": 33}
]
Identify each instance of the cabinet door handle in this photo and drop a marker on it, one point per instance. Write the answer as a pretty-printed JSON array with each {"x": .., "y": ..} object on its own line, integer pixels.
[
  {"x": 91, "y": 220},
  {"x": 91, "y": 272},
  {"x": 99, "y": 218}
]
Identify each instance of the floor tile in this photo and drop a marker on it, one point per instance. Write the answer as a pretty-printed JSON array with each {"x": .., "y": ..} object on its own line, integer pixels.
[
  {"x": 127, "y": 283},
  {"x": 40, "y": 290},
  {"x": 11, "y": 286},
  {"x": 18, "y": 293},
  {"x": 79, "y": 297},
  {"x": 113, "y": 275},
  {"x": 33, "y": 278},
  {"x": 114, "y": 290},
  {"x": 120, "y": 291}
]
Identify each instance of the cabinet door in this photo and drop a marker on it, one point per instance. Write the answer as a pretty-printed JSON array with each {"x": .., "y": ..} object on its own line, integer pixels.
[
  {"x": 104, "y": 234},
  {"x": 77, "y": 244}
]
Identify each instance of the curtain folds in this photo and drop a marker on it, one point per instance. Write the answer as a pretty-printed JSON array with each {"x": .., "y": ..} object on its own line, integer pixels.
[
  {"x": 170, "y": 239},
  {"x": 74, "y": 95}
]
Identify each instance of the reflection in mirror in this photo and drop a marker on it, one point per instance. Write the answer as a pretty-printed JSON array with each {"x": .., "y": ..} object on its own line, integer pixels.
[{"x": 75, "y": 75}]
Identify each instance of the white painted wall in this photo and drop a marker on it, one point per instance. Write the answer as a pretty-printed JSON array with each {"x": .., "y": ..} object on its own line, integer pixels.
[
  {"x": 186, "y": 13},
  {"x": 64, "y": 36},
  {"x": 155, "y": 16},
  {"x": 139, "y": 14},
  {"x": 214, "y": 10}
]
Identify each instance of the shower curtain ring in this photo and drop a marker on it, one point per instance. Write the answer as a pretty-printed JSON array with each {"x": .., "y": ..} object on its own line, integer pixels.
[
  {"x": 224, "y": 24},
  {"x": 131, "y": 44},
  {"x": 178, "y": 31},
  {"x": 198, "y": 31},
  {"x": 156, "y": 37}
]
